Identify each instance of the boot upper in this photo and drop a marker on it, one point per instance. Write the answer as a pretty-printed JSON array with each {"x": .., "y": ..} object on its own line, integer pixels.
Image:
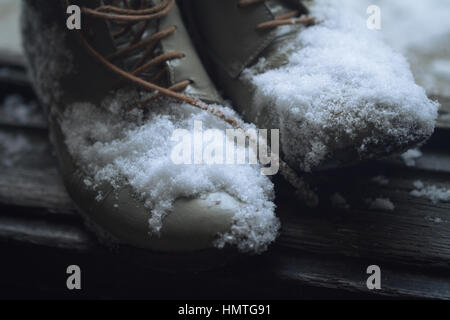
[{"x": 174, "y": 208}]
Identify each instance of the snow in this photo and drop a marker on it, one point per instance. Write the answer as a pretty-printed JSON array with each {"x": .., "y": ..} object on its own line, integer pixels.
[
  {"x": 384, "y": 204},
  {"x": 380, "y": 180},
  {"x": 338, "y": 201},
  {"x": 13, "y": 148},
  {"x": 14, "y": 109},
  {"x": 418, "y": 184},
  {"x": 410, "y": 157},
  {"x": 434, "y": 219},
  {"x": 341, "y": 86},
  {"x": 120, "y": 148},
  {"x": 434, "y": 193},
  {"x": 134, "y": 149},
  {"x": 420, "y": 30}
]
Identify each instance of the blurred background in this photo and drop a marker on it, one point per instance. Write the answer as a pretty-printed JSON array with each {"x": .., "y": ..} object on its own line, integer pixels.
[
  {"x": 10, "y": 41},
  {"x": 420, "y": 29}
]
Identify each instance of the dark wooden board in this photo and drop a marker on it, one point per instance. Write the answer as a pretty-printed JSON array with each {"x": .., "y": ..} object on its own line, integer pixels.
[{"x": 321, "y": 248}]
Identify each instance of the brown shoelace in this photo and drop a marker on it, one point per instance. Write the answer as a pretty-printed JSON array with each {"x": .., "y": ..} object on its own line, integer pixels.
[
  {"x": 288, "y": 18},
  {"x": 127, "y": 18}
]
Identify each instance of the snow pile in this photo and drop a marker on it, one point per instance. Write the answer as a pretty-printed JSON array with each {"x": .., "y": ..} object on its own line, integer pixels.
[
  {"x": 134, "y": 149},
  {"x": 13, "y": 148},
  {"x": 341, "y": 87},
  {"x": 433, "y": 219},
  {"x": 130, "y": 148},
  {"x": 15, "y": 109},
  {"x": 431, "y": 192},
  {"x": 384, "y": 204},
  {"x": 410, "y": 157},
  {"x": 421, "y": 31},
  {"x": 338, "y": 201}
]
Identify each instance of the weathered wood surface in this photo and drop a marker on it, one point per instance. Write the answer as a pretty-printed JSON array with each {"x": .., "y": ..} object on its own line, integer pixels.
[
  {"x": 323, "y": 248},
  {"x": 444, "y": 113}
]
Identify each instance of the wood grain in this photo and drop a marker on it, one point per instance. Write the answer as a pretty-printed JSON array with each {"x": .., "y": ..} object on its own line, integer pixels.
[
  {"x": 443, "y": 120},
  {"x": 325, "y": 247}
]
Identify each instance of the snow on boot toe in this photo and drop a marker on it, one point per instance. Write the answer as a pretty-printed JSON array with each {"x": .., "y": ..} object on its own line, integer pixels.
[{"x": 342, "y": 96}]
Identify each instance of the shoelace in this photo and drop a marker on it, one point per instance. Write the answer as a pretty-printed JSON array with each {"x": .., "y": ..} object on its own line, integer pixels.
[
  {"x": 123, "y": 15},
  {"x": 288, "y": 18},
  {"x": 127, "y": 18}
]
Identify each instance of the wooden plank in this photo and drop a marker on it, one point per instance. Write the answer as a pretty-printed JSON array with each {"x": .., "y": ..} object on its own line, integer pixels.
[
  {"x": 40, "y": 232},
  {"x": 29, "y": 149},
  {"x": 35, "y": 189},
  {"x": 10, "y": 59},
  {"x": 408, "y": 235},
  {"x": 443, "y": 121},
  {"x": 279, "y": 269},
  {"x": 351, "y": 275},
  {"x": 325, "y": 247},
  {"x": 12, "y": 72}
]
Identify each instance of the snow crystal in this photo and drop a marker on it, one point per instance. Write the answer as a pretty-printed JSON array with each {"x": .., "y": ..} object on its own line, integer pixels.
[
  {"x": 384, "y": 204},
  {"x": 434, "y": 193},
  {"x": 410, "y": 157},
  {"x": 342, "y": 86},
  {"x": 118, "y": 148}
]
